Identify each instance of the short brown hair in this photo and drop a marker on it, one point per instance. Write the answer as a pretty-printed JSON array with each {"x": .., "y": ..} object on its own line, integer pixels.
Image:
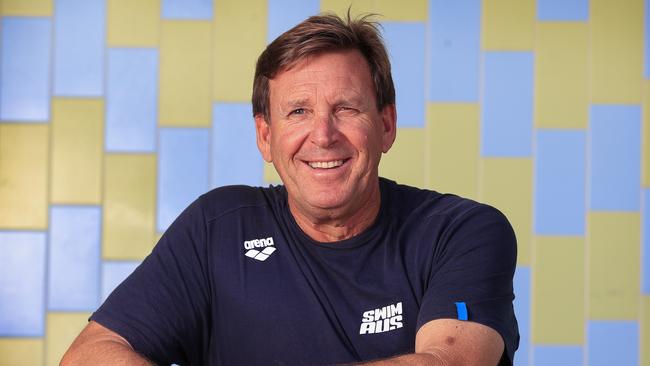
[{"x": 318, "y": 34}]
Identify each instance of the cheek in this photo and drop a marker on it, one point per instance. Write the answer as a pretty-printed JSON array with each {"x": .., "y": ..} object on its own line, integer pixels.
[
  {"x": 287, "y": 141},
  {"x": 367, "y": 133},
  {"x": 363, "y": 142},
  {"x": 363, "y": 139}
]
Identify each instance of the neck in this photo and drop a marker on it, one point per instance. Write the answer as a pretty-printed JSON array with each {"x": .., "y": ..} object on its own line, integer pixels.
[{"x": 335, "y": 224}]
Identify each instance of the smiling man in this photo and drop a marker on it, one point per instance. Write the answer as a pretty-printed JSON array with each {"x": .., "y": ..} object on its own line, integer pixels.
[
  {"x": 325, "y": 135},
  {"x": 337, "y": 265}
]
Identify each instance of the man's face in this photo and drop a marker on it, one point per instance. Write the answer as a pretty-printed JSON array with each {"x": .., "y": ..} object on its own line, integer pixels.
[{"x": 326, "y": 136}]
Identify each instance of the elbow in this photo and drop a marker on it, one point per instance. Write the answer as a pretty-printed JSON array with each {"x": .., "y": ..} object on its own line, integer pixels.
[
  {"x": 68, "y": 358},
  {"x": 437, "y": 356}
]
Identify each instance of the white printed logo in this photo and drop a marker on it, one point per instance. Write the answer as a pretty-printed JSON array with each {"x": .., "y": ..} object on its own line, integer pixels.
[
  {"x": 382, "y": 319},
  {"x": 259, "y": 255}
]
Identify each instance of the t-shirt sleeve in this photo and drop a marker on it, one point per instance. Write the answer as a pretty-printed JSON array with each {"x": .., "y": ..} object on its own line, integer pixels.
[
  {"x": 161, "y": 309},
  {"x": 474, "y": 263}
]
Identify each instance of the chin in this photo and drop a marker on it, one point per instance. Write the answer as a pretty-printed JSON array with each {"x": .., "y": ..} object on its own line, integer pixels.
[{"x": 328, "y": 199}]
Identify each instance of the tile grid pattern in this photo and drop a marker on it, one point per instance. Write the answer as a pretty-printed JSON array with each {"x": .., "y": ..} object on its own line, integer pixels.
[{"x": 115, "y": 114}]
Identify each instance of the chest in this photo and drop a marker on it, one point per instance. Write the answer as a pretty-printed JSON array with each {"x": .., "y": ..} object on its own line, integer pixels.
[{"x": 293, "y": 305}]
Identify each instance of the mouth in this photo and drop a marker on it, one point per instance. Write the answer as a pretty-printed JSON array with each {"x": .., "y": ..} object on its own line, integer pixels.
[{"x": 330, "y": 164}]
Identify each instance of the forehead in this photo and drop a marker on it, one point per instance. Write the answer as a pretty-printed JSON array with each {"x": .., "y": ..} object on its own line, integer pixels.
[{"x": 347, "y": 69}]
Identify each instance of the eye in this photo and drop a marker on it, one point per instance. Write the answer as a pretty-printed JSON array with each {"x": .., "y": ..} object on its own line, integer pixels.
[
  {"x": 347, "y": 109},
  {"x": 297, "y": 111}
]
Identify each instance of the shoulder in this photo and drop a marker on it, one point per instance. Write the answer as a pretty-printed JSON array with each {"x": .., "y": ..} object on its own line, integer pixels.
[
  {"x": 404, "y": 200},
  {"x": 447, "y": 218},
  {"x": 228, "y": 199},
  {"x": 234, "y": 203}
]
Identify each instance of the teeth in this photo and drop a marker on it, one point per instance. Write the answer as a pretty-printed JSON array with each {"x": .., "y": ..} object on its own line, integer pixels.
[{"x": 325, "y": 164}]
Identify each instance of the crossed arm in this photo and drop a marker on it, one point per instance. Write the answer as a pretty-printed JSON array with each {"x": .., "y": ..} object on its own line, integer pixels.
[{"x": 440, "y": 342}]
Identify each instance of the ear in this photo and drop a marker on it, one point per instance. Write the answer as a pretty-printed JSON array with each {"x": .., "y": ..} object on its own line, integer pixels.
[
  {"x": 263, "y": 132},
  {"x": 389, "y": 122}
]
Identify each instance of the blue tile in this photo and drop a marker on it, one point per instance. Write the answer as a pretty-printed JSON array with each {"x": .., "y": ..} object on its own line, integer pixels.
[
  {"x": 22, "y": 284},
  {"x": 507, "y": 106},
  {"x": 560, "y": 179},
  {"x": 284, "y": 14},
  {"x": 182, "y": 171},
  {"x": 454, "y": 50},
  {"x": 612, "y": 342},
  {"x": 645, "y": 265},
  {"x": 563, "y": 10},
  {"x": 113, "y": 273},
  {"x": 233, "y": 135},
  {"x": 75, "y": 254},
  {"x": 187, "y": 9},
  {"x": 25, "y": 69},
  {"x": 406, "y": 43},
  {"x": 557, "y": 355},
  {"x": 522, "y": 312},
  {"x": 132, "y": 100},
  {"x": 79, "y": 39},
  {"x": 615, "y": 157}
]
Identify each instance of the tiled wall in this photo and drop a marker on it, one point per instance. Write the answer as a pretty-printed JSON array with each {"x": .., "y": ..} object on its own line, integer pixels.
[{"x": 115, "y": 114}]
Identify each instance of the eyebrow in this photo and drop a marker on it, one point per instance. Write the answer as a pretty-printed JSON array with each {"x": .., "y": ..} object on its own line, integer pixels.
[
  {"x": 344, "y": 97},
  {"x": 297, "y": 102},
  {"x": 353, "y": 99}
]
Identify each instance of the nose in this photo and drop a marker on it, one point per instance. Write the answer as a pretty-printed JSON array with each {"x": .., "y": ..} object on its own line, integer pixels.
[{"x": 324, "y": 132}]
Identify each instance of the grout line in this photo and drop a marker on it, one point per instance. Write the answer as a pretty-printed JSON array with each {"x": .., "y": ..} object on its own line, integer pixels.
[
  {"x": 102, "y": 178},
  {"x": 587, "y": 183},
  {"x": 428, "y": 115},
  {"x": 50, "y": 161}
]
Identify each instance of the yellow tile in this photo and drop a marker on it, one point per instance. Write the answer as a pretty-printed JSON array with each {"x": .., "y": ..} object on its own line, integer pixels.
[
  {"x": 271, "y": 175},
  {"x": 558, "y": 270},
  {"x": 645, "y": 158},
  {"x": 388, "y": 10},
  {"x": 129, "y": 206},
  {"x": 62, "y": 329},
  {"x": 508, "y": 25},
  {"x": 561, "y": 75},
  {"x": 453, "y": 148},
  {"x": 404, "y": 163},
  {"x": 613, "y": 259},
  {"x": 506, "y": 183},
  {"x": 645, "y": 330},
  {"x": 617, "y": 50},
  {"x": 77, "y": 143},
  {"x": 21, "y": 351},
  {"x": 133, "y": 23},
  {"x": 391, "y": 10},
  {"x": 33, "y": 8},
  {"x": 23, "y": 176},
  {"x": 235, "y": 56},
  {"x": 185, "y": 54}
]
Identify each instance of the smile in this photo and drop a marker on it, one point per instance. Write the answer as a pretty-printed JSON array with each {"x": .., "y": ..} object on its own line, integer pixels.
[{"x": 326, "y": 164}]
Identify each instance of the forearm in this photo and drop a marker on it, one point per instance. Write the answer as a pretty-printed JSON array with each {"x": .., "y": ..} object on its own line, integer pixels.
[
  {"x": 412, "y": 359},
  {"x": 103, "y": 353},
  {"x": 97, "y": 345}
]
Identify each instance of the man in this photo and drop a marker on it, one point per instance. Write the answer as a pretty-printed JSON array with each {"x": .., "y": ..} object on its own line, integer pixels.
[{"x": 336, "y": 266}]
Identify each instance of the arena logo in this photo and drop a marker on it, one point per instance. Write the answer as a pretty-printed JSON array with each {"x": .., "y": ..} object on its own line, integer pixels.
[
  {"x": 260, "y": 255},
  {"x": 383, "y": 319}
]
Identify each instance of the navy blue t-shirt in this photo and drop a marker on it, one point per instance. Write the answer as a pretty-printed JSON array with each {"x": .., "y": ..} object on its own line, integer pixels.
[{"x": 235, "y": 281}]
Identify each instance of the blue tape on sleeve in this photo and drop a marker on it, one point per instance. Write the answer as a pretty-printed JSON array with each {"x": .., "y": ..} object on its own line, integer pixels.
[{"x": 461, "y": 309}]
